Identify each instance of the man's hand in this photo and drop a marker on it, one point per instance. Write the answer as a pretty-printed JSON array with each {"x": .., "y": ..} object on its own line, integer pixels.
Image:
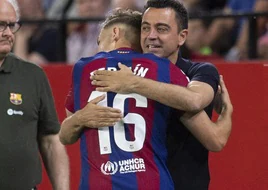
[
  {"x": 91, "y": 116},
  {"x": 114, "y": 81},
  {"x": 94, "y": 116},
  {"x": 222, "y": 98},
  {"x": 226, "y": 101}
]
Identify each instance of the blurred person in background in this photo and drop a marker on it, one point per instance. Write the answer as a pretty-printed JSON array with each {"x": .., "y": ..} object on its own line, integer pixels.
[
  {"x": 56, "y": 9},
  {"x": 240, "y": 49},
  {"x": 263, "y": 45},
  {"x": 29, "y": 123},
  {"x": 46, "y": 4},
  {"x": 82, "y": 37},
  {"x": 128, "y": 4},
  {"x": 37, "y": 43},
  {"x": 208, "y": 5},
  {"x": 195, "y": 42},
  {"x": 223, "y": 33}
]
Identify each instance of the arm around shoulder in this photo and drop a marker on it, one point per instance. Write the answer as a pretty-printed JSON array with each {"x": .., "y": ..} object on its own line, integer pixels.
[
  {"x": 195, "y": 97},
  {"x": 124, "y": 81},
  {"x": 213, "y": 136},
  {"x": 204, "y": 84}
]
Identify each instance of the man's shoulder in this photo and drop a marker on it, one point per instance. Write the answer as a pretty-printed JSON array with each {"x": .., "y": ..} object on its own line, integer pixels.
[
  {"x": 203, "y": 66},
  {"x": 192, "y": 67},
  {"x": 23, "y": 64},
  {"x": 98, "y": 56},
  {"x": 200, "y": 71},
  {"x": 196, "y": 64},
  {"x": 88, "y": 59}
]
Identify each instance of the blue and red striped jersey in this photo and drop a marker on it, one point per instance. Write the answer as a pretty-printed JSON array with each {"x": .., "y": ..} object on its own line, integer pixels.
[{"x": 131, "y": 154}]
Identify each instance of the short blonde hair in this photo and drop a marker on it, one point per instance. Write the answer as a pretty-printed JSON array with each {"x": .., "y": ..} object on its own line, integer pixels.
[{"x": 131, "y": 19}]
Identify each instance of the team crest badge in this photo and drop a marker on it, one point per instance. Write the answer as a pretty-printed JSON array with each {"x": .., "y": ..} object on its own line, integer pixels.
[{"x": 15, "y": 98}]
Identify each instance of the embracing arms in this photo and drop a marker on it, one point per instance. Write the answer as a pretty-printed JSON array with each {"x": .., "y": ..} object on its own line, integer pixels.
[
  {"x": 193, "y": 98},
  {"x": 213, "y": 136},
  {"x": 91, "y": 116}
]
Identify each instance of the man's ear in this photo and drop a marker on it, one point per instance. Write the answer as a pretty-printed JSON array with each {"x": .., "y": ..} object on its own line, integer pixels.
[
  {"x": 116, "y": 33},
  {"x": 182, "y": 36}
]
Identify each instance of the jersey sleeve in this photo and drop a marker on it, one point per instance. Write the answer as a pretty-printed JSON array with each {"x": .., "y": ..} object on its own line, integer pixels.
[
  {"x": 205, "y": 72},
  {"x": 48, "y": 122},
  {"x": 69, "y": 102}
]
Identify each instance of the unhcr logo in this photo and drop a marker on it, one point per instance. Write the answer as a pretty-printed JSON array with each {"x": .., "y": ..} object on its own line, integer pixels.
[
  {"x": 109, "y": 168},
  {"x": 132, "y": 165}
]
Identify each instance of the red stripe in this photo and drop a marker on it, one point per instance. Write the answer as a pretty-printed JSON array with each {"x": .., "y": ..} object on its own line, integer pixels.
[
  {"x": 97, "y": 180},
  {"x": 149, "y": 179}
]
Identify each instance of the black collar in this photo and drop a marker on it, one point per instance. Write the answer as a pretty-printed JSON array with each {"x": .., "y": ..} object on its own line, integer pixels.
[
  {"x": 7, "y": 65},
  {"x": 183, "y": 64}
]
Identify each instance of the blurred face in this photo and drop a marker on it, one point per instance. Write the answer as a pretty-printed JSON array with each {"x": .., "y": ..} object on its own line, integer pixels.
[
  {"x": 124, "y": 3},
  {"x": 7, "y": 38},
  {"x": 92, "y": 8},
  {"x": 30, "y": 9},
  {"x": 159, "y": 33},
  {"x": 196, "y": 33},
  {"x": 263, "y": 47}
]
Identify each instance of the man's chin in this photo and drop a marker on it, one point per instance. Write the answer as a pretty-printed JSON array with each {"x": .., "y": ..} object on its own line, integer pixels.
[{"x": 5, "y": 50}]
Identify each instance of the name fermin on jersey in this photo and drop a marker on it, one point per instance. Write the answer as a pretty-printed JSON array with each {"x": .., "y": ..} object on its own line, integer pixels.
[{"x": 138, "y": 70}]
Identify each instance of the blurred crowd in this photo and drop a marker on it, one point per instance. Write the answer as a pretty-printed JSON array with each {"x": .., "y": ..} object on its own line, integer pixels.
[{"x": 225, "y": 39}]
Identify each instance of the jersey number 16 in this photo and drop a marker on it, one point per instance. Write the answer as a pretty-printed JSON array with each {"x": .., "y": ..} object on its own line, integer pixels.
[{"x": 119, "y": 130}]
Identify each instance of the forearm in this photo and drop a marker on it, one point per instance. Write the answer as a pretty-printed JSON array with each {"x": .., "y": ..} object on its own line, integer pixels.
[
  {"x": 175, "y": 96},
  {"x": 213, "y": 136},
  {"x": 56, "y": 162},
  {"x": 223, "y": 126},
  {"x": 70, "y": 131},
  {"x": 224, "y": 123}
]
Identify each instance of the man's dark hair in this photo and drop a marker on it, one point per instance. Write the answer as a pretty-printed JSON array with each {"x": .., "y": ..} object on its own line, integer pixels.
[
  {"x": 180, "y": 10},
  {"x": 132, "y": 19}
]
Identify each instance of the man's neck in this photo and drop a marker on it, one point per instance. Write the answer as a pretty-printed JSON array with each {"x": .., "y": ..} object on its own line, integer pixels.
[
  {"x": 174, "y": 58},
  {"x": 122, "y": 44}
]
